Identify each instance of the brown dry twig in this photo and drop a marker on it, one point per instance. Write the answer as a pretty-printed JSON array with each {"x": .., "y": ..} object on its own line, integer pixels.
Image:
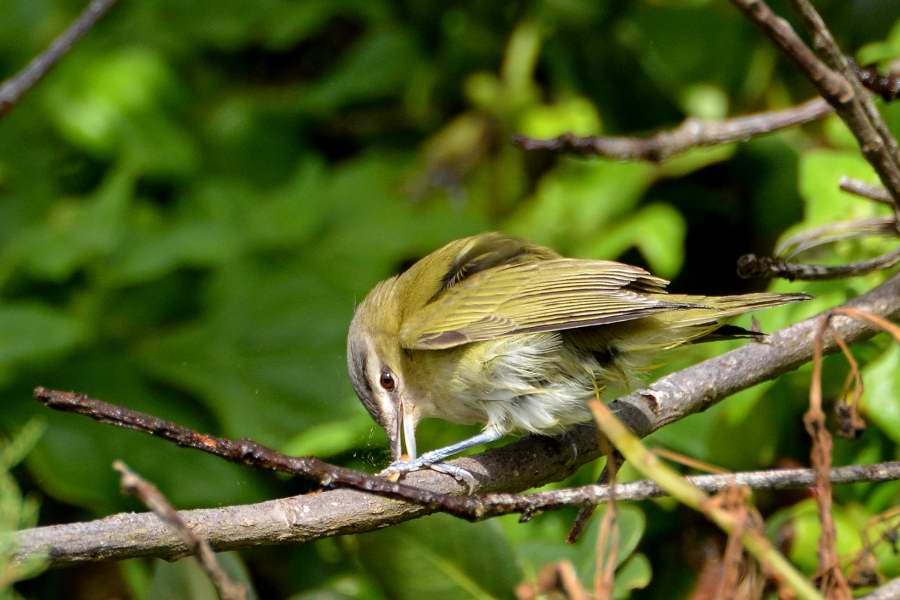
[
  {"x": 13, "y": 89},
  {"x": 831, "y": 579},
  {"x": 556, "y": 577},
  {"x": 134, "y": 485},
  {"x": 608, "y": 535}
]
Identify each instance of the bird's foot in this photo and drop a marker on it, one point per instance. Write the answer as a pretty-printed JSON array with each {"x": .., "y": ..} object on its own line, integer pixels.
[{"x": 402, "y": 467}]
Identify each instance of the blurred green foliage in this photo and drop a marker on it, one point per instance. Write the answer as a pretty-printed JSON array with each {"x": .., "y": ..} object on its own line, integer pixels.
[{"x": 194, "y": 200}]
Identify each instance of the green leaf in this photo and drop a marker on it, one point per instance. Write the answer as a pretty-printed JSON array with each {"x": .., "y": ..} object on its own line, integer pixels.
[
  {"x": 634, "y": 574},
  {"x": 441, "y": 557},
  {"x": 578, "y": 200},
  {"x": 546, "y": 549},
  {"x": 376, "y": 67},
  {"x": 657, "y": 230},
  {"x": 331, "y": 438},
  {"x": 820, "y": 175},
  {"x": 575, "y": 115},
  {"x": 77, "y": 232},
  {"x": 31, "y": 332},
  {"x": 802, "y": 522},
  {"x": 881, "y": 399}
]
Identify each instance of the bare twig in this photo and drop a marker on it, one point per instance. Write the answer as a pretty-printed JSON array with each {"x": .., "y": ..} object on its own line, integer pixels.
[
  {"x": 13, "y": 89},
  {"x": 527, "y": 463},
  {"x": 833, "y": 583},
  {"x": 751, "y": 265},
  {"x": 866, "y": 190},
  {"x": 692, "y": 133},
  {"x": 251, "y": 453},
  {"x": 134, "y": 485},
  {"x": 816, "y": 237},
  {"x": 556, "y": 577},
  {"x": 608, "y": 535},
  {"x": 736, "y": 499},
  {"x": 886, "y": 86}
]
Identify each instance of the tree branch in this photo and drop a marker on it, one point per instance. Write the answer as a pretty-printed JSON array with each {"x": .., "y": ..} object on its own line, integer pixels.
[
  {"x": 13, "y": 89},
  {"x": 527, "y": 463},
  {"x": 866, "y": 190},
  {"x": 751, "y": 265},
  {"x": 847, "y": 96},
  {"x": 889, "y": 591},
  {"x": 692, "y": 133}
]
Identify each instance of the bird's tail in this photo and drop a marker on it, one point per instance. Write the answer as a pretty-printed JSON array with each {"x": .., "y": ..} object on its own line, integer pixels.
[{"x": 702, "y": 319}]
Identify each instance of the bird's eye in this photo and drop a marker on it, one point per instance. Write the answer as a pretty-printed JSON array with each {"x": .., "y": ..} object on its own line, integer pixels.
[{"x": 388, "y": 381}]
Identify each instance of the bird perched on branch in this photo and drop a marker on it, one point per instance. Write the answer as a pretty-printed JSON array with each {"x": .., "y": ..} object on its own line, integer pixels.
[{"x": 495, "y": 330}]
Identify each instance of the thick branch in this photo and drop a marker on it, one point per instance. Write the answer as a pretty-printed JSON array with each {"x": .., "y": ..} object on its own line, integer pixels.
[
  {"x": 13, "y": 89},
  {"x": 527, "y": 463},
  {"x": 692, "y": 133},
  {"x": 847, "y": 96}
]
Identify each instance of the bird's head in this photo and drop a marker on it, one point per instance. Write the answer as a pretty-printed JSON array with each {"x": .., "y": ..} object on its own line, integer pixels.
[{"x": 376, "y": 361}]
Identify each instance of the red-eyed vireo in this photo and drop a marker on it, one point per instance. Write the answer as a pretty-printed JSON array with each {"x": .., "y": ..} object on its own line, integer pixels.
[{"x": 495, "y": 330}]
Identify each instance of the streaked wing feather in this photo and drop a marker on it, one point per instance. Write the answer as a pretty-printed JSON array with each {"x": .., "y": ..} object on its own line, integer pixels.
[{"x": 550, "y": 295}]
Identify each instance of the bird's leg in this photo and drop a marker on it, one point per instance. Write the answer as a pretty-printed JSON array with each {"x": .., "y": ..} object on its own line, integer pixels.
[{"x": 433, "y": 459}]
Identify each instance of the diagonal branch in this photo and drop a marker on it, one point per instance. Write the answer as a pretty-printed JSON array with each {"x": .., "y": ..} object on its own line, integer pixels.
[
  {"x": 13, "y": 89},
  {"x": 149, "y": 494},
  {"x": 527, "y": 463},
  {"x": 692, "y": 133},
  {"x": 845, "y": 95}
]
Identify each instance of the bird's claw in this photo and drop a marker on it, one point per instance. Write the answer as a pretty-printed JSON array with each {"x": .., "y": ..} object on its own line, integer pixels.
[{"x": 401, "y": 467}]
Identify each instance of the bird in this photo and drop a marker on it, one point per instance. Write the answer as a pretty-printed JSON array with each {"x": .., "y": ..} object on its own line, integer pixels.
[{"x": 498, "y": 331}]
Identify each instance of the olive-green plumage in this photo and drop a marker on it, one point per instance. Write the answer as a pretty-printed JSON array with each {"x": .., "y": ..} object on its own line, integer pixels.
[{"x": 495, "y": 330}]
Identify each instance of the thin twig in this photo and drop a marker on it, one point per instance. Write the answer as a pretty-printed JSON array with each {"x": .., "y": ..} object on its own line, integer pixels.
[
  {"x": 692, "y": 133},
  {"x": 876, "y": 320},
  {"x": 134, "y": 485},
  {"x": 833, "y": 583},
  {"x": 557, "y": 577},
  {"x": 608, "y": 535},
  {"x": 649, "y": 465},
  {"x": 862, "y": 189},
  {"x": 527, "y": 463},
  {"x": 13, "y": 89},
  {"x": 736, "y": 499},
  {"x": 750, "y": 265},
  {"x": 816, "y": 237},
  {"x": 253, "y": 454}
]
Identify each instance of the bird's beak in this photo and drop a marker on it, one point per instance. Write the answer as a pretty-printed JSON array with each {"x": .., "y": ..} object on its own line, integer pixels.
[
  {"x": 404, "y": 427},
  {"x": 393, "y": 433}
]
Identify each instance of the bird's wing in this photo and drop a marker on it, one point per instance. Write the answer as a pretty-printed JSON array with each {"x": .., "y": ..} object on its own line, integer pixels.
[{"x": 548, "y": 295}]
